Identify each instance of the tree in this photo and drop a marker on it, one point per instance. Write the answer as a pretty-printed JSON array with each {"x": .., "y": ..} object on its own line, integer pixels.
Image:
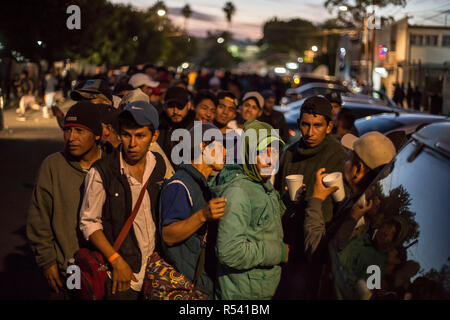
[
  {"x": 358, "y": 10},
  {"x": 286, "y": 39},
  {"x": 216, "y": 55},
  {"x": 229, "y": 10},
  {"x": 187, "y": 12}
]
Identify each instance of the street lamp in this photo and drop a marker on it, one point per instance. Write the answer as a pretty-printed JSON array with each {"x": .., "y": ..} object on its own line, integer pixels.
[
  {"x": 220, "y": 40},
  {"x": 161, "y": 12},
  {"x": 314, "y": 48}
]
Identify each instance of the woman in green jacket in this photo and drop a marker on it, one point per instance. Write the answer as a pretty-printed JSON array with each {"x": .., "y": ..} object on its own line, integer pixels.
[{"x": 250, "y": 243}]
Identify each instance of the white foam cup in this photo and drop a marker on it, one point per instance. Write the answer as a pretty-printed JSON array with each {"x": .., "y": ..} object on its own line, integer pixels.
[
  {"x": 335, "y": 179},
  {"x": 294, "y": 183}
]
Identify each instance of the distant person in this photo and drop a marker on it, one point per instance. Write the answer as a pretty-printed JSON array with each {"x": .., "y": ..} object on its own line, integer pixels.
[
  {"x": 178, "y": 114},
  {"x": 251, "y": 107},
  {"x": 53, "y": 214},
  {"x": 345, "y": 123},
  {"x": 436, "y": 103},
  {"x": 27, "y": 98},
  {"x": 398, "y": 95},
  {"x": 273, "y": 117},
  {"x": 143, "y": 82},
  {"x": 417, "y": 98},
  {"x": 226, "y": 110},
  {"x": 205, "y": 103},
  {"x": 214, "y": 84},
  {"x": 51, "y": 83},
  {"x": 409, "y": 96}
]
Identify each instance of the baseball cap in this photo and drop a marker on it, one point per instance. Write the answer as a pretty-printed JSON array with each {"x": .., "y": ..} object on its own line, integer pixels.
[
  {"x": 144, "y": 113},
  {"x": 334, "y": 97},
  {"x": 140, "y": 79},
  {"x": 176, "y": 97},
  {"x": 84, "y": 114},
  {"x": 90, "y": 89},
  {"x": 317, "y": 105},
  {"x": 131, "y": 96},
  {"x": 254, "y": 95},
  {"x": 373, "y": 148}
]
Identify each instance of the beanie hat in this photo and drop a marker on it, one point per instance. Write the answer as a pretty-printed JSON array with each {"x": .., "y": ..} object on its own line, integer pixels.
[{"x": 84, "y": 114}]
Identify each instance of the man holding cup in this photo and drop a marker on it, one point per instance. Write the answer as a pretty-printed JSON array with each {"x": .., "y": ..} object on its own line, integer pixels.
[{"x": 316, "y": 149}]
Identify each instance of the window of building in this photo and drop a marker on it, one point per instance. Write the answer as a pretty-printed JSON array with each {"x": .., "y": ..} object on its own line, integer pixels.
[
  {"x": 446, "y": 41},
  {"x": 431, "y": 40},
  {"x": 416, "y": 40}
]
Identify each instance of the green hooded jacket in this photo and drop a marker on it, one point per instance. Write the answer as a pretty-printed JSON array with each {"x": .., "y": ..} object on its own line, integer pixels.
[{"x": 250, "y": 237}]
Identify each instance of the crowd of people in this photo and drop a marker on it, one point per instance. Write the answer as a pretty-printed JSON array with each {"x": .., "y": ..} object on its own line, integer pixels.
[{"x": 122, "y": 151}]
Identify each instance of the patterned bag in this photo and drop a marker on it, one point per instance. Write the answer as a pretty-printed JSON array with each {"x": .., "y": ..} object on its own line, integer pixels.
[{"x": 163, "y": 282}]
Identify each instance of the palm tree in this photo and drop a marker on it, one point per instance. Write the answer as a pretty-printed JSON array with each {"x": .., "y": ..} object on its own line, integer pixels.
[
  {"x": 229, "y": 10},
  {"x": 187, "y": 12}
]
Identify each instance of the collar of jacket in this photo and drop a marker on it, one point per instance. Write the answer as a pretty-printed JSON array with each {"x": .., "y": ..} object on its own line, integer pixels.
[{"x": 305, "y": 151}]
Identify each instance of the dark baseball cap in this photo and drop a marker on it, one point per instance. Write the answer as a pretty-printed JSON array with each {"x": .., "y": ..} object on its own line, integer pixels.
[
  {"x": 90, "y": 89},
  {"x": 317, "y": 105},
  {"x": 176, "y": 97},
  {"x": 334, "y": 97},
  {"x": 143, "y": 112}
]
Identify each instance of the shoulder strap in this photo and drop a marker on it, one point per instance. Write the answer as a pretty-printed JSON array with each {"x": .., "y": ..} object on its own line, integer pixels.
[
  {"x": 126, "y": 228},
  {"x": 201, "y": 259}
]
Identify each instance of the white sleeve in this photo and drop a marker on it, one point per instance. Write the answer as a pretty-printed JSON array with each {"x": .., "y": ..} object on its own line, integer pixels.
[{"x": 92, "y": 205}]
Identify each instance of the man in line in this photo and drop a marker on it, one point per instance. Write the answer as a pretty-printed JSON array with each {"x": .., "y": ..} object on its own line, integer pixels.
[
  {"x": 273, "y": 117},
  {"x": 316, "y": 149},
  {"x": 27, "y": 96},
  {"x": 226, "y": 110},
  {"x": 205, "y": 103},
  {"x": 187, "y": 210},
  {"x": 52, "y": 219},
  {"x": 177, "y": 114},
  {"x": 112, "y": 188}
]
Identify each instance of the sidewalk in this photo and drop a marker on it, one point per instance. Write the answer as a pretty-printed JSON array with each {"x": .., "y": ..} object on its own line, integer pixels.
[{"x": 35, "y": 126}]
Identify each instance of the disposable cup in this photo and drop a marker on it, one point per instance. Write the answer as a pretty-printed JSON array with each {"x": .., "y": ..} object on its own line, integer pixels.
[
  {"x": 294, "y": 183},
  {"x": 335, "y": 179}
]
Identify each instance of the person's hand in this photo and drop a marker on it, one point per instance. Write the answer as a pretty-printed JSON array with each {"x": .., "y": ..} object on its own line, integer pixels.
[
  {"x": 320, "y": 190},
  {"x": 358, "y": 212},
  {"x": 214, "y": 209},
  {"x": 52, "y": 276},
  {"x": 122, "y": 275},
  {"x": 300, "y": 193}
]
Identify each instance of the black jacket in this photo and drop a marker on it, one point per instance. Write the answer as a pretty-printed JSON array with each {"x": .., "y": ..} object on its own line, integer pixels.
[{"x": 118, "y": 204}]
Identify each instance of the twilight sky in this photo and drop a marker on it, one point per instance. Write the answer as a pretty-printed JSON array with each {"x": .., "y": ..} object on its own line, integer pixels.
[{"x": 251, "y": 14}]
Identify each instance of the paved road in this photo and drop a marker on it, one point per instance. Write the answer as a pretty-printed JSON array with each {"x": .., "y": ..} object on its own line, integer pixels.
[{"x": 23, "y": 146}]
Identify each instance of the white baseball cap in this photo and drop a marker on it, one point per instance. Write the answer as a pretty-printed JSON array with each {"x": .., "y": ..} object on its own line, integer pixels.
[
  {"x": 373, "y": 148},
  {"x": 140, "y": 79}
]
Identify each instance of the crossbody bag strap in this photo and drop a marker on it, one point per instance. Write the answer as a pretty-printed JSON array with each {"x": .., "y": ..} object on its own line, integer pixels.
[{"x": 127, "y": 226}]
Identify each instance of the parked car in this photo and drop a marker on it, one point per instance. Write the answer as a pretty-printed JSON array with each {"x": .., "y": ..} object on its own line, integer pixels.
[
  {"x": 389, "y": 122},
  {"x": 412, "y": 191},
  {"x": 313, "y": 89},
  {"x": 359, "y": 110}
]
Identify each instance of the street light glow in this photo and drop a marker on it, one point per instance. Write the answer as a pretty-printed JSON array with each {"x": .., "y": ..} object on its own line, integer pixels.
[
  {"x": 161, "y": 12},
  {"x": 300, "y": 60},
  {"x": 343, "y": 8},
  {"x": 292, "y": 65},
  {"x": 185, "y": 65},
  {"x": 314, "y": 48},
  {"x": 220, "y": 40}
]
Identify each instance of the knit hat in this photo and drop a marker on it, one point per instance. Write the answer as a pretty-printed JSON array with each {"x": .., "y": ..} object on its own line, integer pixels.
[
  {"x": 84, "y": 114},
  {"x": 250, "y": 147},
  {"x": 256, "y": 96},
  {"x": 316, "y": 105}
]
